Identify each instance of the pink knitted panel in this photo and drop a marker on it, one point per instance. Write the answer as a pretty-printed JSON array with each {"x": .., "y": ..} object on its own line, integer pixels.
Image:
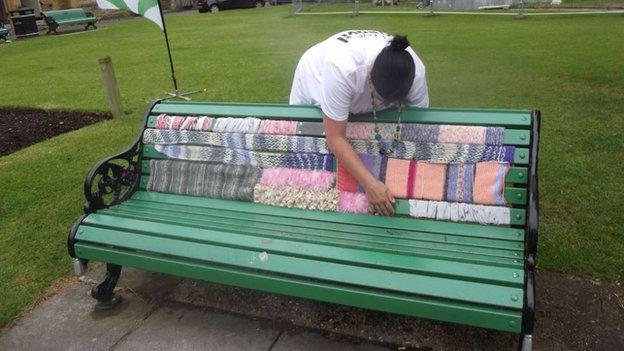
[
  {"x": 297, "y": 178},
  {"x": 353, "y": 202},
  {"x": 268, "y": 126}
]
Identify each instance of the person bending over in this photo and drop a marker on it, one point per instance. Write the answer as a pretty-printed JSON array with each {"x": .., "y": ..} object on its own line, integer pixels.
[{"x": 355, "y": 72}]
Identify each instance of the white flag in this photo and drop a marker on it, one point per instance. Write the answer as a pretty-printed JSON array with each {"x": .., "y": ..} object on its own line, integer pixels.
[{"x": 146, "y": 8}]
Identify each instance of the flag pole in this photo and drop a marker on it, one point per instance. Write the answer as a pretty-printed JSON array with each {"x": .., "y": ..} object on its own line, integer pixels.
[
  {"x": 175, "y": 94},
  {"x": 173, "y": 77}
]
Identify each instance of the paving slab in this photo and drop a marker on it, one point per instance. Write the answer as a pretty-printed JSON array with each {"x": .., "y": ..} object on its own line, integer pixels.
[
  {"x": 572, "y": 314},
  {"x": 189, "y": 328},
  {"x": 307, "y": 341},
  {"x": 67, "y": 321}
]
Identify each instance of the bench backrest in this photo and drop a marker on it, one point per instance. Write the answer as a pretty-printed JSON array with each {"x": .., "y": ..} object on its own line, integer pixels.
[
  {"x": 517, "y": 124},
  {"x": 65, "y": 15}
]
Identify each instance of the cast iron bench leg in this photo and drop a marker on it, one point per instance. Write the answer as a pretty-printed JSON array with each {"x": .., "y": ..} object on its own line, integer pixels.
[
  {"x": 526, "y": 342},
  {"x": 104, "y": 291}
]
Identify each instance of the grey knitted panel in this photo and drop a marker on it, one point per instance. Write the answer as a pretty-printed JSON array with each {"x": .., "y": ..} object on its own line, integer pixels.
[{"x": 215, "y": 180}]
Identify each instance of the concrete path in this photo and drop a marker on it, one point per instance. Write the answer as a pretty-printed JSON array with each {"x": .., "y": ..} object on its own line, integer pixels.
[{"x": 161, "y": 312}]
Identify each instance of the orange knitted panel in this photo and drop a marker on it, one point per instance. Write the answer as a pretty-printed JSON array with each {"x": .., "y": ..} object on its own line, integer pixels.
[
  {"x": 430, "y": 181},
  {"x": 397, "y": 173}
]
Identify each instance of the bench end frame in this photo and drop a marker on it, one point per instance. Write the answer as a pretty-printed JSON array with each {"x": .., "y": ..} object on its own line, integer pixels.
[{"x": 531, "y": 235}]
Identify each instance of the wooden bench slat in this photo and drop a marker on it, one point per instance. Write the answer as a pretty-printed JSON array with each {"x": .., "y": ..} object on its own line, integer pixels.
[
  {"x": 304, "y": 225},
  {"x": 471, "y": 254},
  {"x": 505, "y": 118},
  {"x": 392, "y": 225},
  {"x": 207, "y": 246},
  {"x": 421, "y": 265},
  {"x": 469, "y": 314}
]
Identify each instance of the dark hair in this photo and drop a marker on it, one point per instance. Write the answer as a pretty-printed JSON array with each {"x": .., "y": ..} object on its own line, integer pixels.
[{"x": 393, "y": 71}]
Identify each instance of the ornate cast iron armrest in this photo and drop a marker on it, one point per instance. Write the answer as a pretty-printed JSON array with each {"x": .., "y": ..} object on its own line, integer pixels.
[{"x": 114, "y": 179}]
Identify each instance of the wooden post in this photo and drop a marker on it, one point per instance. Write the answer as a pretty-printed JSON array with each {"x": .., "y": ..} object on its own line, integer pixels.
[{"x": 110, "y": 86}]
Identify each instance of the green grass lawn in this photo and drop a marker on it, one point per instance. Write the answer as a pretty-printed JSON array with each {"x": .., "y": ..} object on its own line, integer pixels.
[{"x": 569, "y": 67}]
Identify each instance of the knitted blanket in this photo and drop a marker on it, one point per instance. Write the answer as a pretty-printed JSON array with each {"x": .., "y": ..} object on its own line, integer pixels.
[
  {"x": 245, "y": 157},
  {"x": 297, "y": 198},
  {"x": 431, "y": 152},
  {"x": 458, "y": 212},
  {"x": 414, "y": 132},
  {"x": 221, "y": 181}
]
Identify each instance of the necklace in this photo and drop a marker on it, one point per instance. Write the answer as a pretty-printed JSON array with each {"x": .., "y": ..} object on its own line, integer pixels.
[{"x": 383, "y": 149}]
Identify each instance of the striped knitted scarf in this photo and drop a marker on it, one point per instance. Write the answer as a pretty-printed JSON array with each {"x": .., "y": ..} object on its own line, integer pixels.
[
  {"x": 245, "y": 157},
  {"x": 439, "y": 152},
  {"x": 431, "y": 152},
  {"x": 221, "y": 181},
  {"x": 258, "y": 142}
]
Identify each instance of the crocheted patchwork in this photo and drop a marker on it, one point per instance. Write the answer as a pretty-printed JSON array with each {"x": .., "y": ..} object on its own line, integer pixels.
[
  {"x": 232, "y": 182},
  {"x": 460, "y": 212},
  {"x": 297, "y": 178},
  {"x": 297, "y": 198},
  {"x": 350, "y": 202},
  {"x": 438, "y": 153},
  {"x": 489, "y": 183},
  {"x": 245, "y": 157},
  {"x": 459, "y": 180}
]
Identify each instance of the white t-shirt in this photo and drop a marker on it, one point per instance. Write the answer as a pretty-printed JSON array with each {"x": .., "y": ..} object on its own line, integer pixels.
[{"x": 333, "y": 74}]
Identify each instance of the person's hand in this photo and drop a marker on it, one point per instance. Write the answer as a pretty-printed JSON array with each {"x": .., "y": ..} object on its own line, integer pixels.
[{"x": 379, "y": 198}]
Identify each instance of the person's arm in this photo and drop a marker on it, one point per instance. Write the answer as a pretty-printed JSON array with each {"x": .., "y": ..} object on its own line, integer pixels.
[{"x": 377, "y": 193}]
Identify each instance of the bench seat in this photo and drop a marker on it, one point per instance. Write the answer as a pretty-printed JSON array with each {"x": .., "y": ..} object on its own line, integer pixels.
[
  {"x": 68, "y": 17},
  {"x": 450, "y": 265},
  {"x": 77, "y": 21}
]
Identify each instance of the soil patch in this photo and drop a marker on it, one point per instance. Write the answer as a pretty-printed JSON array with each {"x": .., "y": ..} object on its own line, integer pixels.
[{"x": 20, "y": 128}]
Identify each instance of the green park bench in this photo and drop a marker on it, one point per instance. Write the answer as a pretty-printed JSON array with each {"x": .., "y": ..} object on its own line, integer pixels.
[
  {"x": 467, "y": 273},
  {"x": 3, "y": 32},
  {"x": 69, "y": 17}
]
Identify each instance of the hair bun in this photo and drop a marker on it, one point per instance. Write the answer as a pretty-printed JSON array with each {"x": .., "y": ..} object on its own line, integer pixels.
[{"x": 399, "y": 42}]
